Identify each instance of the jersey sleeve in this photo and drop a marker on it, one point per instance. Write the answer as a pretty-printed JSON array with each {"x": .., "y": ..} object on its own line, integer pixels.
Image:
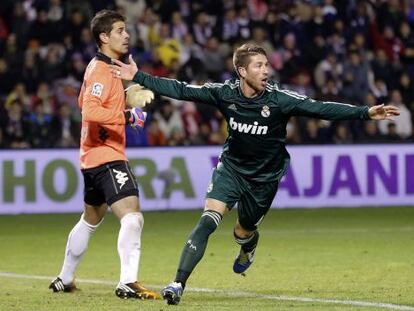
[
  {"x": 97, "y": 90},
  {"x": 299, "y": 105},
  {"x": 178, "y": 90}
]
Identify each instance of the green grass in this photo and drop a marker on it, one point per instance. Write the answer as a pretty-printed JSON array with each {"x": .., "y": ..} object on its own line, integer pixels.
[{"x": 329, "y": 254}]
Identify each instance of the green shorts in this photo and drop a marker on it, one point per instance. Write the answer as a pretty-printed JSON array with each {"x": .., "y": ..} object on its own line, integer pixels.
[{"x": 253, "y": 199}]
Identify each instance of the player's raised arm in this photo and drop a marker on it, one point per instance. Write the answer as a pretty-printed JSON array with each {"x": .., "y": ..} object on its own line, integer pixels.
[
  {"x": 300, "y": 105},
  {"x": 162, "y": 86}
]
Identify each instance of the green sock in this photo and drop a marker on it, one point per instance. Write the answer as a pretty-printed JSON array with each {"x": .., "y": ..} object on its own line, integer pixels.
[{"x": 196, "y": 245}]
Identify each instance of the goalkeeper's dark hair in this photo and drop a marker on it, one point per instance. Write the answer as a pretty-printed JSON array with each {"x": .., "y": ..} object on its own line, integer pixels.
[
  {"x": 103, "y": 21},
  {"x": 241, "y": 57}
]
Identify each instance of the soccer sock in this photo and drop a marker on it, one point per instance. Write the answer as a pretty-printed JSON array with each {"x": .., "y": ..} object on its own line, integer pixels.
[
  {"x": 196, "y": 245},
  {"x": 75, "y": 247},
  {"x": 129, "y": 246},
  {"x": 247, "y": 244}
]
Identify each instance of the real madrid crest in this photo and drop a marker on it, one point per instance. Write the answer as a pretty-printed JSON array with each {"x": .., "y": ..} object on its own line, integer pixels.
[{"x": 265, "y": 111}]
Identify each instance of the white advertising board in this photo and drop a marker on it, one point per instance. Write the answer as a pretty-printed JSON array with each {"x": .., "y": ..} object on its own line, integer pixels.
[{"x": 49, "y": 181}]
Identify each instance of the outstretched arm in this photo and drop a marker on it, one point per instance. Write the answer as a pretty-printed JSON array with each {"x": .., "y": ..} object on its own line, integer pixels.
[
  {"x": 339, "y": 111},
  {"x": 163, "y": 86},
  {"x": 299, "y": 105}
]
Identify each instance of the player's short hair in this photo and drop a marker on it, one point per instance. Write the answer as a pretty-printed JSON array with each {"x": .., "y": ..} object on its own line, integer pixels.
[
  {"x": 241, "y": 57},
  {"x": 102, "y": 23}
]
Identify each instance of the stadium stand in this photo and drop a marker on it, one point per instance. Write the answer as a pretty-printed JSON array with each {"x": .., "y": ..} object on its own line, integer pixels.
[{"x": 358, "y": 52}]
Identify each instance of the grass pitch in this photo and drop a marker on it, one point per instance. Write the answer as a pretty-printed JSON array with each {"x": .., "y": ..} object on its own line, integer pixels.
[{"x": 323, "y": 259}]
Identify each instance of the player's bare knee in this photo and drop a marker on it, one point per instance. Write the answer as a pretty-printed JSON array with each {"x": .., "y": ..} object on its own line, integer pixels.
[
  {"x": 92, "y": 220},
  {"x": 126, "y": 206},
  {"x": 216, "y": 205},
  {"x": 94, "y": 215},
  {"x": 240, "y": 232}
]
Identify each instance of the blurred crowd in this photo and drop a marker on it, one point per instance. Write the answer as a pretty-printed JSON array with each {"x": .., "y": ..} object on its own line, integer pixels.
[{"x": 357, "y": 52}]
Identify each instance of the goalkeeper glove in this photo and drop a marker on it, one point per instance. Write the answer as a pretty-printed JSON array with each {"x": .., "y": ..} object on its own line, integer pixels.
[
  {"x": 137, "y": 96},
  {"x": 135, "y": 117}
]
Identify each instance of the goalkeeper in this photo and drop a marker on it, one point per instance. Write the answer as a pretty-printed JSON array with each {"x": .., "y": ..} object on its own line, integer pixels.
[
  {"x": 108, "y": 179},
  {"x": 254, "y": 156}
]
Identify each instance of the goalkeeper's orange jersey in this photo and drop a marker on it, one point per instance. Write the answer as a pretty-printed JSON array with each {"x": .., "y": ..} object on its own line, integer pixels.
[{"x": 102, "y": 102}]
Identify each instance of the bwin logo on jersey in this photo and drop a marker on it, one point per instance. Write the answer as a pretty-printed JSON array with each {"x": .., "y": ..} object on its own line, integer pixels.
[
  {"x": 248, "y": 128},
  {"x": 120, "y": 178}
]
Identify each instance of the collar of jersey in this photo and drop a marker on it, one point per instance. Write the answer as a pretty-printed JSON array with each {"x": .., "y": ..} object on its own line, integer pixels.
[
  {"x": 250, "y": 98},
  {"x": 101, "y": 56}
]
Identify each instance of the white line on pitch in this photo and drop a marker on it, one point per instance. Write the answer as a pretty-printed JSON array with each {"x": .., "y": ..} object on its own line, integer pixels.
[{"x": 233, "y": 293}]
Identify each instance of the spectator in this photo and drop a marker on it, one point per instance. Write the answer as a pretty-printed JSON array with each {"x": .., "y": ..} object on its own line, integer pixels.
[
  {"x": 13, "y": 55},
  {"x": 19, "y": 93},
  {"x": 328, "y": 69},
  {"x": 15, "y": 128},
  {"x": 259, "y": 37},
  {"x": 404, "y": 126},
  {"x": 30, "y": 72},
  {"x": 407, "y": 39},
  {"x": 40, "y": 28},
  {"x": 382, "y": 68},
  {"x": 202, "y": 137},
  {"x": 191, "y": 119},
  {"x": 178, "y": 27},
  {"x": 177, "y": 138},
  {"x": 168, "y": 48},
  {"x": 75, "y": 25},
  {"x": 230, "y": 27},
  {"x": 7, "y": 79},
  {"x": 228, "y": 72},
  {"x": 243, "y": 22},
  {"x": 169, "y": 119},
  {"x": 65, "y": 129},
  {"x": 312, "y": 134},
  {"x": 329, "y": 92},
  {"x": 392, "y": 135},
  {"x": 19, "y": 24},
  {"x": 370, "y": 134},
  {"x": 77, "y": 66},
  {"x": 87, "y": 46},
  {"x": 202, "y": 29},
  {"x": 53, "y": 67},
  {"x": 342, "y": 134},
  {"x": 155, "y": 136},
  {"x": 40, "y": 127},
  {"x": 406, "y": 88},
  {"x": 213, "y": 59},
  {"x": 355, "y": 78},
  {"x": 45, "y": 98}
]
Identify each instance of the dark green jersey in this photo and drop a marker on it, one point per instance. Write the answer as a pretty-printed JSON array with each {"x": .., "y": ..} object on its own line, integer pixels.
[{"x": 255, "y": 146}]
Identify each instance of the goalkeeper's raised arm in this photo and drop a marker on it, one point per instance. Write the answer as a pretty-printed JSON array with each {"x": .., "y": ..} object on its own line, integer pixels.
[{"x": 163, "y": 86}]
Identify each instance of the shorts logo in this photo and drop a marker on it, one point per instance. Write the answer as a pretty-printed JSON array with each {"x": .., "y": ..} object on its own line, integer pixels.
[
  {"x": 265, "y": 111},
  {"x": 121, "y": 177},
  {"x": 210, "y": 187},
  {"x": 97, "y": 89}
]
